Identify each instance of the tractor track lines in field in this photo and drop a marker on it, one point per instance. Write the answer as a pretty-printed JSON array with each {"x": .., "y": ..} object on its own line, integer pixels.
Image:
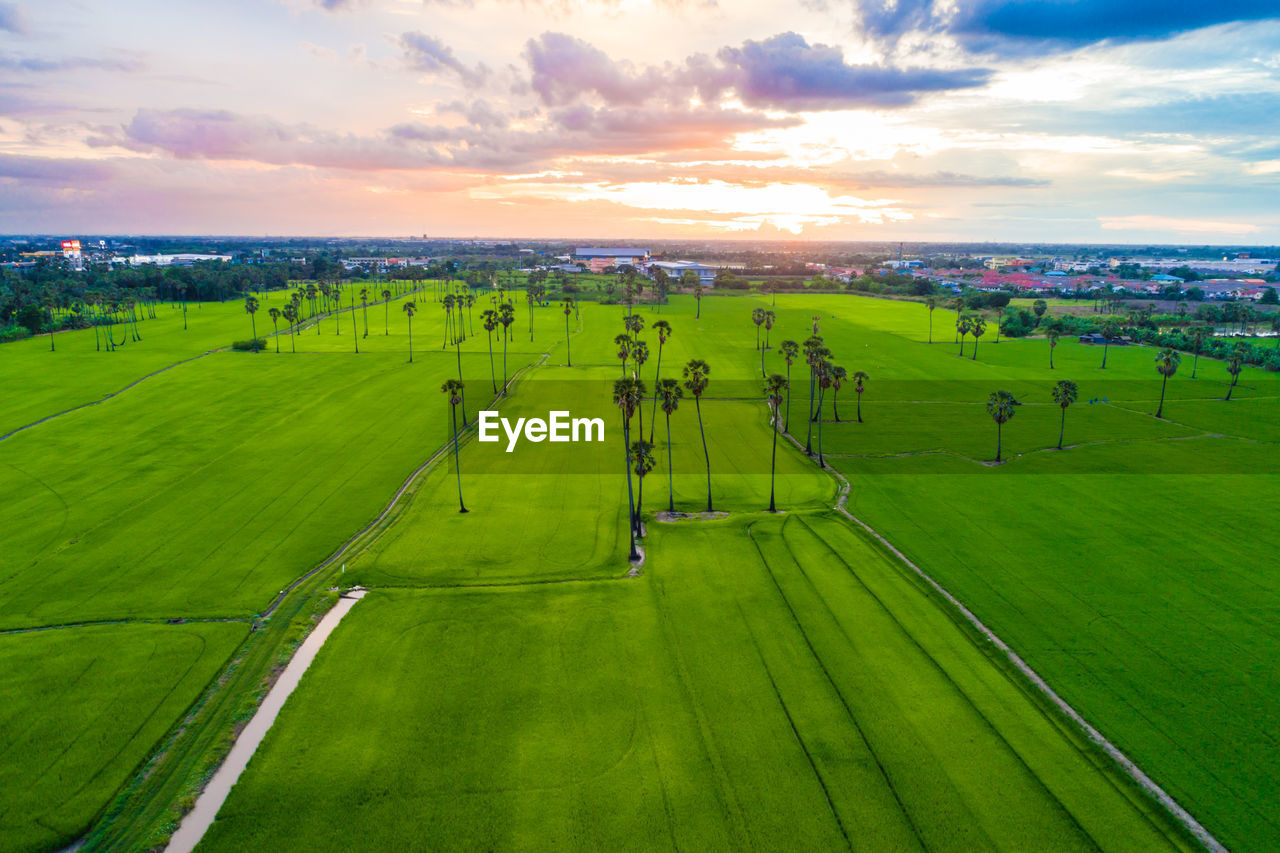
[
  {"x": 1127, "y": 765},
  {"x": 109, "y": 396}
]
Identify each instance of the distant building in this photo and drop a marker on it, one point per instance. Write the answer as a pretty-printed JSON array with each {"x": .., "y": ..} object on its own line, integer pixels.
[
  {"x": 184, "y": 259},
  {"x": 598, "y": 260},
  {"x": 675, "y": 269}
]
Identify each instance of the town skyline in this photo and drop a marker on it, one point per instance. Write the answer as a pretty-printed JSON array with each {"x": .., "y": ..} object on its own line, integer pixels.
[{"x": 647, "y": 121}]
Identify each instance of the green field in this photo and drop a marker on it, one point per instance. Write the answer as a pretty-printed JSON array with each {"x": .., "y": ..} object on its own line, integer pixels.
[{"x": 765, "y": 681}]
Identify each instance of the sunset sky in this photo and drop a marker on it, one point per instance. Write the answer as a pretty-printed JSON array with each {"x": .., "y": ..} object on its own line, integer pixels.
[{"x": 1089, "y": 121}]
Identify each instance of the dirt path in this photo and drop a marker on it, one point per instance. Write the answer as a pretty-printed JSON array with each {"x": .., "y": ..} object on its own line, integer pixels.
[{"x": 200, "y": 818}]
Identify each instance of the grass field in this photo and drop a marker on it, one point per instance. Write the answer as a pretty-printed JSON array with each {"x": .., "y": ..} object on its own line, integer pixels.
[{"x": 767, "y": 681}]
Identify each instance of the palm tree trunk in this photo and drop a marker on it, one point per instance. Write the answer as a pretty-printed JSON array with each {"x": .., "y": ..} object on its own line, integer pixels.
[
  {"x": 697, "y": 402},
  {"x": 930, "y": 327},
  {"x": 567, "y": 349},
  {"x": 671, "y": 489},
  {"x": 277, "y": 335},
  {"x": 254, "y": 325},
  {"x": 631, "y": 505},
  {"x": 859, "y": 407},
  {"x": 1051, "y": 356},
  {"x": 504, "y": 364},
  {"x": 493, "y": 379},
  {"x": 458, "y": 348},
  {"x": 821, "y": 463},
  {"x": 808, "y": 438},
  {"x": 1105, "y": 345},
  {"x": 1232, "y": 386},
  {"x": 998, "y": 438},
  {"x": 657, "y": 374},
  {"x": 411, "y": 340},
  {"x": 974, "y": 357},
  {"x": 1062, "y": 427},
  {"x": 386, "y": 317},
  {"x": 457, "y": 465},
  {"x": 1196, "y": 360},
  {"x": 1163, "y": 384},
  {"x": 773, "y": 461},
  {"x": 835, "y": 404}
]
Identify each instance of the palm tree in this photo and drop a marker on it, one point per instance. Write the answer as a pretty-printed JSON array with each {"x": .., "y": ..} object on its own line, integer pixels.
[
  {"x": 789, "y": 349},
  {"x": 291, "y": 317},
  {"x": 506, "y": 316},
  {"x": 1197, "y": 336},
  {"x": 774, "y": 386},
  {"x": 814, "y": 352},
  {"x": 447, "y": 304},
  {"x": 931, "y": 303},
  {"x": 1052, "y": 333},
  {"x": 364, "y": 308},
  {"x": 977, "y": 328},
  {"x": 251, "y": 308},
  {"x": 634, "y": 324},
  {"x": 568, "y": 310},
  {"x": 769, "y": 319},
  {"x": 1110, "y": 330},
  {"x": 695, "y": 382},
  {"x": 957, "y": 305},
  {"x": 963, "y": 324},
  {"x": 757, "y": 317},
  {"x": 823, "y": 368},
  {"x": 386, "y": 312},
  {"x": 860, "y": 379},
  {"x": 838, "y": 377},
  {"x": 409, "y": 308},
  {"x": 1235, "y": 363},
  {"x": 639, "y": 355},
  {"x": 663, "y": 328},
  {"x": 1167, "y": 361},
  {"x": 689, "y": 278},
  {"x": 1001, "y": 406},
  {"x": 626, "y": 396},
  {"x": 489, "y": 319},
  {"x": 669, "y": 392},
  {"x": 354, "y": 340},
  {"x": 452, "y": 387},
  {"x": 1039, "y": 307},
  {"x": 623, "y": 342},
  {"x": 275, "y": 321},
  {"x": 642, "y": 459},
  {"x": 1064, "y": 394}
]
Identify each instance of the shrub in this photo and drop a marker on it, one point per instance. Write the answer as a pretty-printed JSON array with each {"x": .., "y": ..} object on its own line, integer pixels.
[{"x": 245, "y": 346}]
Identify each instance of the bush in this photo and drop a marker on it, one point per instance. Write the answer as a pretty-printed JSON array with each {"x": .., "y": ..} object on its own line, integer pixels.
[
  {"x": 13, "y": 333},
  {"x": 246, "y": 346}
]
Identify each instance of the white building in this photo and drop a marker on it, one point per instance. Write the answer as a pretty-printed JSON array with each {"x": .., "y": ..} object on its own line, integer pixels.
[{"x": 675, "y": 269}]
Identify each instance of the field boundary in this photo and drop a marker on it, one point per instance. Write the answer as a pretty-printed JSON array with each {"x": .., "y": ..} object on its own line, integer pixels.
[{"x": 1126, "y": 764}]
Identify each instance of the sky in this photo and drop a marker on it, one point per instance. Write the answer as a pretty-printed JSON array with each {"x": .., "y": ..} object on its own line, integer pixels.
[{"x": 1095, "y": 121}]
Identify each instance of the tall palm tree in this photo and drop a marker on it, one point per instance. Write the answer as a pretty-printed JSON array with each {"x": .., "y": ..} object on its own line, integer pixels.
[
  {"x": 634, "y": 324},
  {"x": 568, "y": 310},
  {"x": 814, "y": 351},
  {"x": 931, "y": 303},
  {"x": 669, "y": 392},
  {"x": 774, "y": 388},
  {"x": 963, "y": 323},
  {"x": 769, "y": 319},
  {"x": 1235, "y": 363},
  {"x": 1001, "y": 406},
  {"x": 1197, "y": 337},
  {"x": 757, "y": 317},
  {"x": 642, "y": 461},
  {"x": 291, "y": 317},
  {"x": 1167, "y": 361},
  {"x": 447, "y": 305},
  {"x": 977, "y": 328},
  {"x": 695, "y": 382},
  {"x": 957, "y": 305},
  {"x": 274, "y": 313},
  {"x": 1052, "y": 333},
  {"x": 409, "y": 308},
  {"x": 506, "y": 316},
  {"x": 663, "y": 328},
  {"x": 823, "y": 369},
  {"x": 386, "y": 312},
  {"x": 623, "y": 342},
  {"x": 860, "y": 379},
  {"x": 697, "y": 288},
  {"x": 1064, "y": 394},
  {"x": 364, "y": 308},
  {"x": 489, "y": 319},
  {"x": 639, "y": 355},
  {"x": 251, "y": 308},
  {"x": 626, "y": 396},
  {"x": 838, "y": 377},
  {"x": 354, "y": 340},
  {"x": 789, "y": 349},
  {"x": 453, "y": 388},
  {"x": 1109, "y": 330}
]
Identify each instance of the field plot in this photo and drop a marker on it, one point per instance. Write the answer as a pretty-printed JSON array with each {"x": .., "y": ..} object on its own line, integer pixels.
[
  {"x": 81, "y": 707},
  {"x": 770, "y": 682}
]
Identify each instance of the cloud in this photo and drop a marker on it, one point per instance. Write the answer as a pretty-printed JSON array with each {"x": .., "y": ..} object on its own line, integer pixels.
[
  {"x": 786, "y": 72},
  {"x": 1163, "y": 224},
  {"x": 1019, "y": 26},
  {"x": 427, "y": 53},
  {"x": 220, "y": 135},
  {"x": 783, "y": 72},
  {"x": 55, "y": 170},
  {"x": 478, "y": 113},
  {"x": 41, "y": 65},
  {"x": 12, "y": 18},
  {"x": 335, "y": 5},
  {"x": 933, "y": 180}
]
